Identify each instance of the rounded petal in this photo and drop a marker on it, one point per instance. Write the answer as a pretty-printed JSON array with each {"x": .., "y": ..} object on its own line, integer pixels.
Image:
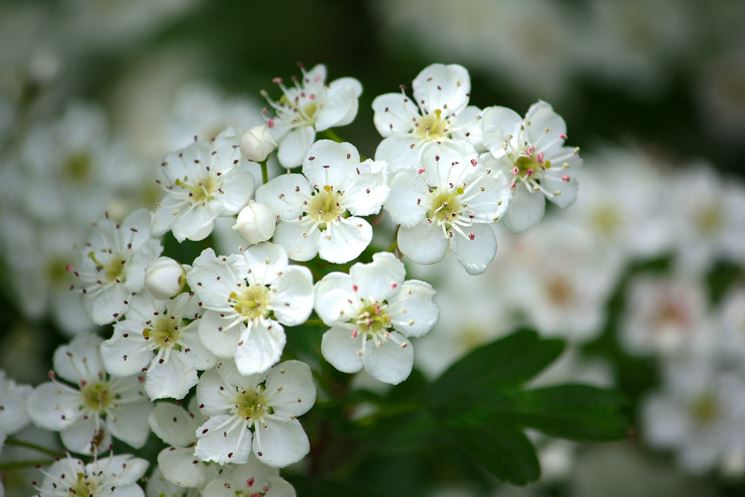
[
  {"x": 475, "y": 251},
  {"x": 106, "y": 305},
  {"x": 334, "y": 297},
  {"x": 341, "y": 349},
  {"x": 211, "y": 278},
  {"x": 391, "y": 361},
  {"x": 84, "y": 436},
  {"x": 405, "y": 202},
  {"x": 299, "y": 239},
  {"x": 125, "y": 356},
  {"x": 280, "y": 443},
  {"x": 212, "y": 400},
  {"x": 525, "y": 210},
  {"x": 259, "y": 348},
  {"x": 216, "y": 334},
  {"x": 285, "y": 195},
  {"x": 13, "y": 407},
  {"x": 237, "y": 189},
  {"x": 290, "y": 389},
  {"x": 413, "y": 311},
  {"x": 173, "y": 424},
  {"x": 54, "y": 406},
  {"x": 330, "y": 163},
  {"x": 181, "y": 467},
  {"x": 266, "y": 261},
  {"x": 295, "y": 145},
  {"x": 497, "y": 124},
  {"x": 424, "y": 243},
  {"x": 563, "y": 188},
  {"x": 223, "y": 441},
  {"x": 128, "y": 422},
  {"x": 292, "y": 296},
  {"x": 379, "y": 279},
  {"x": 443, "y": 87},
  {"x": 340, "y": 107},
  {"x": 400, "y": 152},
  {"x": 197, "y": 223},
  {"x": 170, "y": 379},
  {"x": 395, "y": 113},
  {"x": 541, "y": 119},
  {"x": 344, "y": 240}
]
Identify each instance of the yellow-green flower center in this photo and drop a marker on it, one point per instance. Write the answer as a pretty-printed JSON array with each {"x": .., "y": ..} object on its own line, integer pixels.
[
  {"x": 528, "y": 165},
  {"x": 56, "y": 271},
  {"x": 606, "y": 220},
  {"x": 251, "y": 405},
  {"x": 446, "y": 205},
  {"x": 113, "y": 270},
  {"x": 432, "y": 126},
  {"x": 97, "y": 397},
  {"x": 165, "y": 332},
  {"x": 325, "y": 206},
  {"x": 251, "y": 302},
  {"x": 78, "y": 166},
  {"x": 83, "y": 487},
  {"x": 372, "y": 319},
  {"x": 709, "y": 220},
  {"x": 704, "y": 409},
  {"x": 202, "y": 191}
]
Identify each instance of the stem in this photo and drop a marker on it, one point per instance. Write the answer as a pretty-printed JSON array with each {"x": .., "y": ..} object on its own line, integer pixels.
[
  {"x": 264, "y": 172},
  {"x": 331, "y": 135},
  {"x": 393, "y": 247},
  {"x": 30, "y": 445},
  {"x": 24, "y": 464},
  {"x": 314, "y": 322}
]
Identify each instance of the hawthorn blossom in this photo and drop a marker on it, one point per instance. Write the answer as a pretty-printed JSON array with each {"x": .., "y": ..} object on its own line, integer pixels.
[
  {"x": 439, "y": 112},
  {"x": 249, "y": 480},
  {"x": 372, "y": 313},
  {"x": 319, "y": 210},
  {"x": 94, "y": 406},
  {"x": 449, "y": 201},
  {"x": 307, "y": 107},
  {"x": 531, "y": 151},
  {"x": 160, "y": 339},
  {"x": 255, "y": 413},
  {"x": 13, "y": 413},
  {"x": 203, "y": 181},
  {"x": 113, "y": 264},
  {"x": 246, "y": 299},
  {"x": 110, "y": 476}
]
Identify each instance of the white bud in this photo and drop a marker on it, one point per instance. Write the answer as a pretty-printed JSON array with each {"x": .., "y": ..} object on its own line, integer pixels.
[
  {"x": 256, "y": 222},
  {"x": 257, "y": 143},
  {"x": 164, "y": 278}
]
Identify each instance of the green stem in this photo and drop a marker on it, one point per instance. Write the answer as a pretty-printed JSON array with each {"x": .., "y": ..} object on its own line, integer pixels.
[
  {"x": 30, "y": 445},
  {"x": 393, "y": 247},
  {"x": 314, "y": 322},
  {"x": 24, "y": 464},
  {"x": 264, "y": 172},
  {"x": 331, "y": 135}
]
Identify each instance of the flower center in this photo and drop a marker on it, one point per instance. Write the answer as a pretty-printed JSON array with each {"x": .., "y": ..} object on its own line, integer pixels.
[
  {"x": 309, "y": 110},
  {"x": 606, "y": 220},
  {"x": 325, "y": 206},
  {"x": 445, "y": 205},
  {"x": 113, "y": 269},
  {"x": 77, "y": 166},
  {"x": 251, "y": 302},
  {"x": 97, "y": 397},
  {"x": 202, "y": 191},
  {"x": 704, "y": 409},
  {"x": 83, "y": 487},
  {"x": 372, "y": 319},
  {"x": 165, "y": 333},
  {"x": 528, "y": 164},
  {"x": 432, "y": 126},
  {"x": 251, "y": 405},
  {"x": 56, "y": 271},
  {"x": 709, "y": 220},
  {"x": 559, "y": 291}
]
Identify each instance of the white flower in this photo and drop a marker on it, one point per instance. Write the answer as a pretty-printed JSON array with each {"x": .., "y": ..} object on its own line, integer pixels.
[
  {"x": 256, "y": 413},
  {"x": 96, "y": 408},
  {"x": 113, "y": 264},
  {"x": 257, "y": 143},
  {"x": 13, "y": 413},
  {"x": 307, "y": 107},
  {"x": 313, "y": 207},
  {"x": 731, "y": 317},
  {"x": 164, "y": 278},
  {"x": 203, "y": 181},
  {"x": 249, "y": 480},
  {"x": 256, "y": 222},
  {"x": 372, "y": 311},
  {"x": 108, "y": 477},
  {"x": 664, "y": 315},
  {"x": 439, "y": 112},
  {"x": 247, "y": 298},
  {"x": 158, "y": 486},
  {"x": 160, "y": 339},
  {"x": 698, "y": 413},
  {"x": 532, "y": 152},
  {"x": 449, "y": 200}
]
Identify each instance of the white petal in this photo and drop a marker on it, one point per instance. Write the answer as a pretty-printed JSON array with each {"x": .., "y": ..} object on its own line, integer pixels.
[
  {"x": 13, "y": 407},
  {"x": 405, "y": 202},
  {"x": 340, "y": 107},
  {"x": 210, "y": 395},
  {"x": 237, "y": 189},
  {"x": 477, "y": 250},
  {"x": 563, "y": 187},
  {"x": 216, "y": 336},
  {"x": 83, "y": 435},
  {"x": 395, "y": 113},
  {"x": 119, "y": 470},
  {"x": 53, "y": 406},
  {"x": 106, "y": 305},
  {"x": 295, "y": 145},
  {"x": 290, "y": 389},
  {"x": 259, "y": 348},
  {"x": 223, "y": 443},
  {"x": 525, "y": 210},
  {"x": 344, "y": 240},
  {"x": 280, "y": 443},
  {"x": 173, "y": 424},
  {"x": 424, "y": 243},
  {"x": 498, "y": 124},
  {"x": 367, "y": 189},
  {"x": 379, "y": 279},
  {"x": 181, "y": 467},
  {"x": 299, "y": 239},
  {"x": 444, "y": 87},
  {"x": 80, "y": 359},
  {"x": 330, "y": 163},
  {"x": 128, "y": 422},
  {"x": 285, "y": 195},
  {"x": 171, "y": 379},
  {"x": 391, "y": 361},
  {"x": 266, "y": 261},
  {"x": 139, "y": 226},
  {"x": 125, "y": 356},
  {"x": 542, "y": 119},
  {"x": 197, "y": 223},
  {"x": 334, "y": 297},
  {"x": 292, "y": 296},
  {"x": 400, "y": 152},
  {"x": 341, "y": 350},
  {"x": 412, "y": 310},
  {"x": 211, "y": 278}
]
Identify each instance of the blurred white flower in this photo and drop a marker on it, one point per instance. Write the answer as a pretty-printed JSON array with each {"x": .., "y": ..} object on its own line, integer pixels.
[
  {"x": 113, "y": 264},
  {"x": 531, "y": 151},
  {"x": 312, "y": 207},
  {"x": 438, "y": 112},
  {"x": 96, "y": 407},
  {"x": 256, "y": 413},
  {"x": 372, "y": 312},
  {"x": 202, "y": 182},
  {"x": 256, "y": 222},
  {"x": 307, "y": 107},
  {"x": 246, "y": 300},
  {"x": 257, "y": 143},
  {"x": 13, "y": 413},
  {"x": 71, "y": 476},
  {"x": 164, "y": 278},
  {"x": 159, "y": 338},
  {"x": 449, "y": 201}
]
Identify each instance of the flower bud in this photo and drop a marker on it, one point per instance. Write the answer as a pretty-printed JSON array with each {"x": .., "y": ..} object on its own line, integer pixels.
[
  {"x": 256, "y": 222},
  {"x": 257, "y": 143},
  {"x": 164, "y": 278}
]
